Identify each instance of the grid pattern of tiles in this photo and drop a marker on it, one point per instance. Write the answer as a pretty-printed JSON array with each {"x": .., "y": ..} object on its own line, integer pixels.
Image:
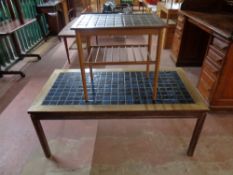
[
  {"x": 117, "y": 88},
  {"x": 117, "y": 20}
]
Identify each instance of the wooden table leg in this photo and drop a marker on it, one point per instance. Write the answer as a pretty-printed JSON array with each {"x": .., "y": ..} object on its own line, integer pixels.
[
  {"x": 88, "y": 51},
  {"x": 148, "y": 55},
  {"x": 65, "y": 12},
  {"x": 157, "y": 62},
  {"x": 98, "y": 5},
  {"x": 196, "y": 134},
  {"x": 168, "y": 17},
  {"x": 42, "y": 137},
  {"x": 82, "y": 66},
  {"x": 67, "y": 49}
]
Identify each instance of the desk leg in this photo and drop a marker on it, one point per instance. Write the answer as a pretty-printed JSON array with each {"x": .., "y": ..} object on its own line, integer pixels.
[
  {"x": 157, "y": 63},
  {"x": 82, "y": 66},
  {"x": 42, "y": 138},
  {"x": 148, "y": 55},
  {"x": 196, "y": 134},
  {"x": 67, "y": 49}
]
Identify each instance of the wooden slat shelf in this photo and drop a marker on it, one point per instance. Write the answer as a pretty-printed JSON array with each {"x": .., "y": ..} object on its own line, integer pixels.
[{"x": 118, "y": 55}]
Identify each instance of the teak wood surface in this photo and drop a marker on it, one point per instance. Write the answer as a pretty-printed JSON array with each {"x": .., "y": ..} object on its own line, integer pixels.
[{"x": 39, "y": 112}]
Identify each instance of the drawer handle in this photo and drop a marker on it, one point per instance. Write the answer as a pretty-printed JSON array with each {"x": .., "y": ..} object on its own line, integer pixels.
[
  {"x": 205, "y": 85},
  {"x": 213, "y": 69},
  {"x": 179, "y": 28},
  {"x": 221, "y": 46},
  {"x": 215, "y": 58},
  {"x": 181, "y": 18}
]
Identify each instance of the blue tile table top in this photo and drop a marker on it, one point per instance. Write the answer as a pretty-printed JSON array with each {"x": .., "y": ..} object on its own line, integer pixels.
[{"x": 117, "y": 88}]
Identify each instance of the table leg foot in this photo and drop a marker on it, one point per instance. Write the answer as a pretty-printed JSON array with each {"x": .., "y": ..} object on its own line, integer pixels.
[
  {"x": 196, "y": 134},
  {"x": 42, "y": 137},
  {"x": 67, "y": 49}
]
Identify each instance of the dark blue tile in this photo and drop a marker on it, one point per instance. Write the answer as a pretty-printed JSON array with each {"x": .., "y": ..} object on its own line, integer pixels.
[{"x": 117, "y": 88}]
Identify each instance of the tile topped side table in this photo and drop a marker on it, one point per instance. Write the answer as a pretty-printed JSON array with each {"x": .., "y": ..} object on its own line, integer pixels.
[{"x": 118, "y": 24}]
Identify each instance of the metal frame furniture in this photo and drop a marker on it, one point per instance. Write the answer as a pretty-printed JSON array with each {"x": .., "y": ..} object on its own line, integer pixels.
[{"x": 8, "y": 30}]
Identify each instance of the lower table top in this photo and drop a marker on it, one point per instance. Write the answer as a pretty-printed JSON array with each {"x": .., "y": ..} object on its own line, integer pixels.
[{"x": 116, "y": 91}]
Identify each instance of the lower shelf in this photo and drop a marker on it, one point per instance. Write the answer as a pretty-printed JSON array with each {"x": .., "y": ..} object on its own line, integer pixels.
[{"x": 119, "y": 54}]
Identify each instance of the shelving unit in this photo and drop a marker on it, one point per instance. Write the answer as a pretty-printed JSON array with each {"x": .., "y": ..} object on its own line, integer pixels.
[{"x": 20, "y": 31}]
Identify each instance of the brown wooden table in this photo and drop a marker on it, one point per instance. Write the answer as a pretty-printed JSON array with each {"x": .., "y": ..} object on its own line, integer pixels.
[
  {"x": 39, "y": 111},
  {"x": 65, "y": 33},
  {"x": 118, "y": 24}
]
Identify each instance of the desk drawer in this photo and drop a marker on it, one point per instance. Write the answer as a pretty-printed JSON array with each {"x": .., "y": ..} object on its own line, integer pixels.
[
  {"x": 215, "y": 57},
  {"x": 180, "y": 23},
  {"x": 220, "y": 44},
  {"x": 179, "y": 26},
  {"x": 181, "y": 19},
  {"x": 208, "y": 81},
  {"x": 176, "y": 44},
  {"x": 204, "y": 92},
  {"x": 206, "y": 84},
  {"x": 210, "y": 69}
]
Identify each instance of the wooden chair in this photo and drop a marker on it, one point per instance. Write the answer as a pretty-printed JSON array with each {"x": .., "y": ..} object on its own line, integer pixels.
[{"x": 71, "y": 9}]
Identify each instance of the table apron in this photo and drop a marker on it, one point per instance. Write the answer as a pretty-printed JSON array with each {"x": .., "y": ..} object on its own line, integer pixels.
[
  {"x": 115, "y": 115},
  {"x": 120, "y": 31}
]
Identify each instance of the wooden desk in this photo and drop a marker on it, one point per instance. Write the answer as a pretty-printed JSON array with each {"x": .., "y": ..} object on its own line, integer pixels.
[
  {"x": 118, "y": 24},
  {"x": 41, "y": 110},
  {"x": 204, "y": 39}
]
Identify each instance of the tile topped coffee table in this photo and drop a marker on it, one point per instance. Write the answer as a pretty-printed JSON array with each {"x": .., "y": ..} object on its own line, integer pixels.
[{"x": 123, "y": 95}]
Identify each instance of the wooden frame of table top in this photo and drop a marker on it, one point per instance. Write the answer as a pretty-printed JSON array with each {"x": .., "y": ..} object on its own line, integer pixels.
[
  {"x": 37, "y": 106},
  {"x": 88, "y": 112}
]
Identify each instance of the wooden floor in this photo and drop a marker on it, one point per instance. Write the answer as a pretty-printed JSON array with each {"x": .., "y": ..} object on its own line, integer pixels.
[{"x": 116, "y": 147}]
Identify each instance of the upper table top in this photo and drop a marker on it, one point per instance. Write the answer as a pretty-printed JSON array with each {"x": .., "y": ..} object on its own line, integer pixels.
[
  {"x": 221, "y": 24},
  {"x": 112, "y": 21}
]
